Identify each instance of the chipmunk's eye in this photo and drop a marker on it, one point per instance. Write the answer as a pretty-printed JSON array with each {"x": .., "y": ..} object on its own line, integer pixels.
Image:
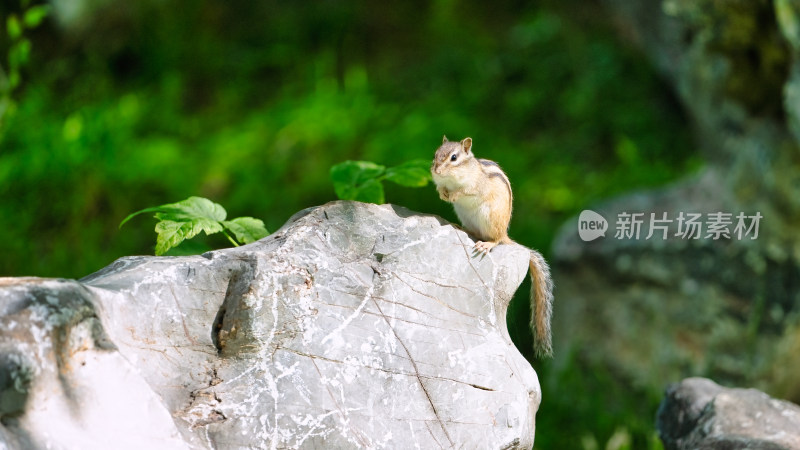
[{"x": 453, "y": 157}]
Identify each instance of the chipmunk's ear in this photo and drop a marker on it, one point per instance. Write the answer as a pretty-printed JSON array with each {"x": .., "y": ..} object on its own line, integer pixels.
[
  {"x": 466, "y": 144},
  {"x": 444, "y": 139}
]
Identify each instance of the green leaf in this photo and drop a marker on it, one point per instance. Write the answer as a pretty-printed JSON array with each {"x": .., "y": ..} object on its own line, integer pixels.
[
  {"x": 13, "y": 27},
  {"x": 345, "y": 191},
  {"x": 34, "y": 15},
  {"x": 415, "y": 173},
  {"x": 358, "y": 180},
  {"x": 191, "y": 208},
  {"x": 171, "y": 234},
  {"x": 202, "y": 213},
  {"x": 194, "y": 207},
  {"x": 246, "y": 229},
  {"x": 186, "y": 219},
  {"x": 370, "y": 192}
]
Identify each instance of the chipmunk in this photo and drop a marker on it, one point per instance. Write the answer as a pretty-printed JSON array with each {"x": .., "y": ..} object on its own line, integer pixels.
[{"x": 481, "y": 195}]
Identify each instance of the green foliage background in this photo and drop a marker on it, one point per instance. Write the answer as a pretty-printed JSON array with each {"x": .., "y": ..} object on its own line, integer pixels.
[{"x": 249, "y": 104}]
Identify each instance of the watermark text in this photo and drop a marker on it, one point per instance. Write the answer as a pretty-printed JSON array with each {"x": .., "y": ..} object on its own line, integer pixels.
[{"x": 639, "y": 225}]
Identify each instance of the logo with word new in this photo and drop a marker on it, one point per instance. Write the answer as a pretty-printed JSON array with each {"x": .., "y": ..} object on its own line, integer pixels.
[{"x": 591, "y": 225}]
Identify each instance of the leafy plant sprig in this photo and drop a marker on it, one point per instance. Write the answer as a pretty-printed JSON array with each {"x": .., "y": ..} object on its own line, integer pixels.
[
  {"x": 362, "y": 180},
  {"x": 187, "y": 218}
]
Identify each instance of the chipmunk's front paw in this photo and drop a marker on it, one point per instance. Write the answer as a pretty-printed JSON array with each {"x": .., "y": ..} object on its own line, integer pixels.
[{"x": 444, "y": 194}]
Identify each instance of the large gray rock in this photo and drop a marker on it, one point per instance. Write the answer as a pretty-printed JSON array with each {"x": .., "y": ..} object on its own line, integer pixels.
[
  {"x": 353, "y": 326},
  {"x": 698, "y": 414}
]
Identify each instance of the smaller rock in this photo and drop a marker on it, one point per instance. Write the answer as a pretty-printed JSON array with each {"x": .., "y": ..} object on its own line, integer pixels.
[{"x": 699, "y": 414}]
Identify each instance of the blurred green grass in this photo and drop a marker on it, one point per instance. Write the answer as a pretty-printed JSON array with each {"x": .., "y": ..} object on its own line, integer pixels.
[{"x": 250, "y": 104}]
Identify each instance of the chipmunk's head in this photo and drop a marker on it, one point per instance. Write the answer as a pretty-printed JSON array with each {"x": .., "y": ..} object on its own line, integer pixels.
[{"x": 451, "y": 157}]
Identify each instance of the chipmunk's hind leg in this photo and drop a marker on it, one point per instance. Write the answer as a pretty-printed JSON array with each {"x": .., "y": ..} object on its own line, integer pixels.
[{"x": 482, "y": 248}]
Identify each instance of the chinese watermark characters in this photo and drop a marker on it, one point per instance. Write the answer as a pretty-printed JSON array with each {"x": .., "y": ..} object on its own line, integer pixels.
[{"x": 713, "y": 225}]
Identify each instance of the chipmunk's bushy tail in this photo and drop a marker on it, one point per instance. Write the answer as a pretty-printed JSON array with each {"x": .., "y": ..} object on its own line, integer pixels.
[{"x": 542, "y": 304}]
